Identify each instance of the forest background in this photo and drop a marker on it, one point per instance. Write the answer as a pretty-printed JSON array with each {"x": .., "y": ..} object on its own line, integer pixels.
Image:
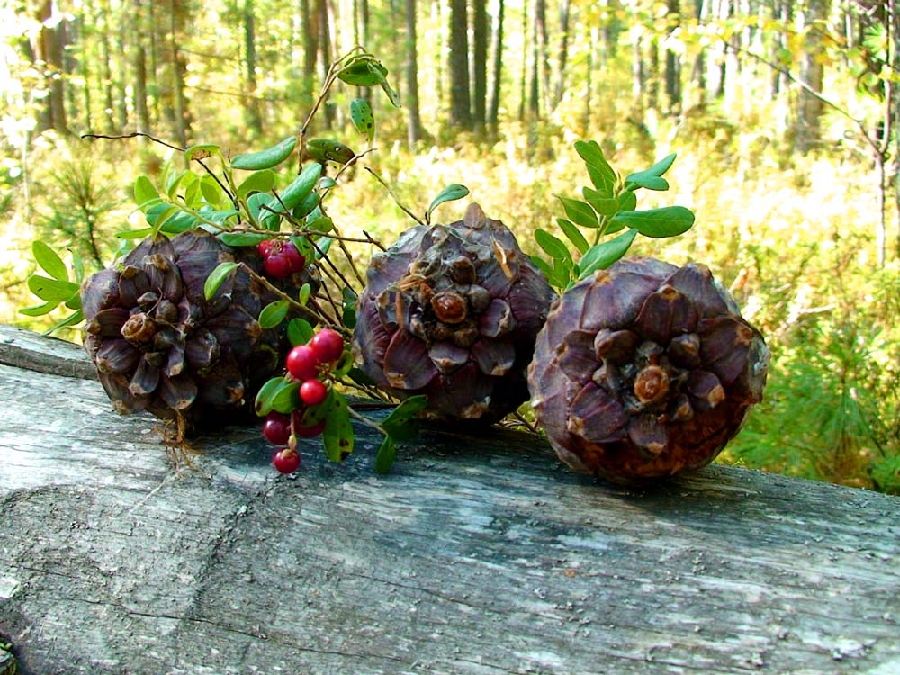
[{"x": 783, "y": 115}]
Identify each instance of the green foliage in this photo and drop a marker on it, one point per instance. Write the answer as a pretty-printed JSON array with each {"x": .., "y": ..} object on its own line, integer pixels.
[{"x": 608, "y": 208}]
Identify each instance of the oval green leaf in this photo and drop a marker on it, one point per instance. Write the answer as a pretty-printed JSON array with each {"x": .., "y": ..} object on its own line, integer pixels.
[
  {"x": 362, "y": 118},
  {"x": 386, "y": 455},
  {"x": 301, "y": 187},
  {"x": 144, "y": 191},
  {"x": 668, "y": 221},
  {"x": 451, "y": 193},
  {"x": 603, "y": 255},
  {"x": 49, "y": 260},
  {"x": 202, "y": 151},
  {"x": 216, "y": 277},
  {"x": 260, "y": 181},
  {"x": 40, "y": 310},
  {"x": 328, "y": 149},
  {"x": 573, "y": 234},
  {"x": 239, "y": 239},
  {"x": 338, "y": 437},
  {"x": 299, "y": 332},
  {"x": 51, "y": 290},
  {"x": 580, "y": 212},
  {"x": 266, "y": 159},
  {"x": 552, "y": 246},
  {"x": 273, "y": 314}
]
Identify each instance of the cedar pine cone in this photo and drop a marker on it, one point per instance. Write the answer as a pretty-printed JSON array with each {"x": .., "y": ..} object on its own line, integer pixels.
[
  {"x": 452, "y": 311},
  {"x": 159, "y": 345},
  {"x": 644, "y": 370}
]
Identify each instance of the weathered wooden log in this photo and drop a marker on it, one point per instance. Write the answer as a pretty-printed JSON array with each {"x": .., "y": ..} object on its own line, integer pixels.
[{"x": 474, "y": 555}]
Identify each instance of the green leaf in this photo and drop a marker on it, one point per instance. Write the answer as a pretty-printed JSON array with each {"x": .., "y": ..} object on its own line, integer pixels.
[
  {"x": 179, "y": 221},
  {"x": 573, "y": 234},
  {"x": 668, "y": 221},
  {"x": 362, "y": 117},
  {"x": 556, "y": 277},
  {"x": 260, "y": 204},
  {"x": 646, "y": 177},
  {"x": 71, "y": 320},
  {"x": 134, "y": 234},
  {"x": 266, "y": 159},
  {"x": 51, "y": 290},
  {"x": 338, "y": 437},
  {"x": 307, "y": 206},
  {"x": 239, "y": 239},
  {"x": 603, "y": 255},
  {"x": 301, "y": 187},
  {"x": 363, "y": 71},
  {"x": 216, "y": 277},
  {"x": 40, "y": 310},
  {"x": 278, "y": 394},
  {"x": 49, "y": 260},
  {"x": 259, "y": 181},
  {"x": 77, "y": 266},
  {"x": 449, "y": 194},
  {"x": 391, "y": 93},
  {"x": 325, "y": 149},
  {"x": 657, "y": 183},
  {"x": 158, "y": 213},
  {"x": 627, "y": 201},
  {"x": 552, "y": 246},
  {"x": 304, "y": 294},
  {"x": 386, "y": 455},
  {"x": 202, "y": 151},
  {"x": 212, "y": 192},
  {"x": 403, "y": 423},
  {"x": 601, "y": 173},
  {"x": 348, "y": 315},
  {"x": 580, "y": 212},
  {"x": 186, "y": 177},
  {"x": 273, "y": 314},
  {"x": 605, "y": 206},
  {"x": 144, "y": 191},
  {"x": 299, "y": 332}
]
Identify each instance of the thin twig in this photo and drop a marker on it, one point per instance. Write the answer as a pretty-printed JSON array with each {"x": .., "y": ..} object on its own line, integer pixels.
[{"x": 134, "y": 134}]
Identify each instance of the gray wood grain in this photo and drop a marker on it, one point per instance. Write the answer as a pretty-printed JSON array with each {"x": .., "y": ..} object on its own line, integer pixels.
[{"x": 475, "y": 555}]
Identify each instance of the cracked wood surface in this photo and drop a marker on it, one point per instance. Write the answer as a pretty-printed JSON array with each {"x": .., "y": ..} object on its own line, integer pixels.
[{"x": 475, "y": 555}]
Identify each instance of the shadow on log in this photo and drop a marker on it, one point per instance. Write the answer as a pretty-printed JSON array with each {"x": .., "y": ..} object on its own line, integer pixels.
[{"x": 474, "y": 555}]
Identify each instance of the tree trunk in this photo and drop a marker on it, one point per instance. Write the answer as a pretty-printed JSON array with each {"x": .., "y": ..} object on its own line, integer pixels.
[
  {"x": 140, "y": 90},
  {"x": 460, "y": 101},
  {"x": 673, "y": 64},
  {"x": 480, "y": 32},
  {"x": 50, "y": 52},
  {"x": 254, "y": 117},
  {"x": 181, "y": 115},
  {"x": 106, "y": 73},
  {"x": 325, "y": 56},
  {"x": 893, "y": 98},
  {"x": 496, "y": 70},
  {"x": 562, "y": 59},
  {"x": 812, "y": 72},
  {"x": 412, "y": 76}
]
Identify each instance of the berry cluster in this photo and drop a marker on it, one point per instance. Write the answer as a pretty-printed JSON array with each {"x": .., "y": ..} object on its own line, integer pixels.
[
  {"x": 310, "y": 365},
  {"x": 280, "y": 258}
]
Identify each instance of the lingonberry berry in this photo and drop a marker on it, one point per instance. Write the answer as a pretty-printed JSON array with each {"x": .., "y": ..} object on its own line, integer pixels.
[
  {"x": 277, "y": 266},
  {"x": 313, "y": 392},
  {"x": 302, "y": 363},
  {"x": 293, "y": 256},
  {"x": 265, "y": 247},
  {"x": 305, "y": 431},
  {"x": 328, "y": 345},
  {"x": 277, "y": 428},
  {"x": 286, "y": 460}
]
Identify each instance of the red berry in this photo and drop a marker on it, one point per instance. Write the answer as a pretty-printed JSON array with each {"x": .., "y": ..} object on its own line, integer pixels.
[
  {"x": 294, "y": 258},
  {"x": 277, "y": 266},
  {"x": 265, "y": 247},
  {"x": 302, "y": 363},
  {"x": 304, "y": 431},
  {"x": 313, "y": 392},
  {"x": 277, "y": 428},
  {"x": 328, "y": 345},
  {"x": 286, "y": 460}
]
